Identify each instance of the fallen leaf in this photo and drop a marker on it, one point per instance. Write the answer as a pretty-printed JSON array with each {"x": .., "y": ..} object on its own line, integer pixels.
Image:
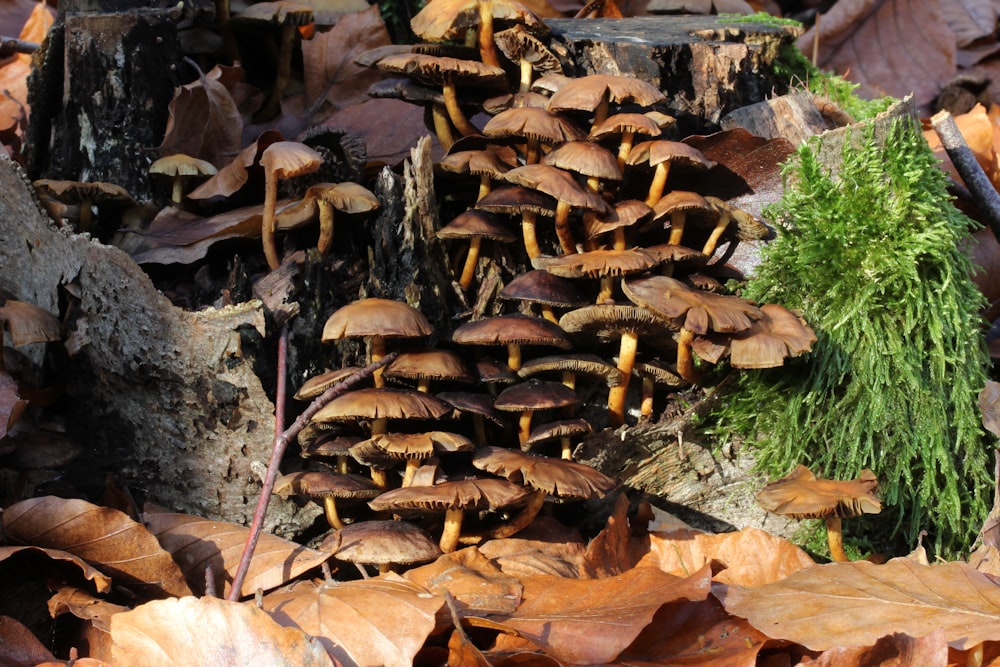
[
  {"x": 854, "y": 604},
  {"x": 27, "y": 323},
  {"x": 102, "y": 582},
  {"x": 382, "y": 621},
  {"x": 18, "y": 647},
  {"x": 591, "y": 621},
  {"x": 608, "y": 553},
  {"x": 969, "y": 20},
  {"x": 328, "y": 59},
  {"x": 209, "y": 631},
  {"x": 751, "y": 556},
  {"x": 12, "y": 406},
  {"x": 204, "y": 121},
  {"x": 83, "y": 605},
  {"x": 977, "y": 129},
  {"x": 546, "y": 546},
  {"x": 478, "y": 586},
  {"x": 889, "y": 47},
  {"x": 14, "y": 71},
  {"x": 389, "y": 138},
  {"x": 889, "y": 651},
  {"x": 105, "y": 538},
  {"x": 234, "y": 171},
  {"x": 197, "y": 543}
]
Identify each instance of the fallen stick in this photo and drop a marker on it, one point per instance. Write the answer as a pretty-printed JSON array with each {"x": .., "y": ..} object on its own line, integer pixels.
[
  {"x": 277, "y": 452},
  {"x": 984, "y": 193}
]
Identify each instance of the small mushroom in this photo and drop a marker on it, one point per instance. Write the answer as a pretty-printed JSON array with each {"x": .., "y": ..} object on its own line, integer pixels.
[
  {"x": 800, "y": 495},
  {"x": 180, "y": 168},
  {"x": 513, "y": 331},
  {"x": 346, "y": 197},
  {"x": 596, "y": 92},
  {"x": 327, "y": 487},
  {"x": 387, "y": 544},
  {"x": 474, "y": 226},
  {"x": 661, "y": 154},
  {"x": 531, "y": 396},
  {"x": 280, "y": 160}
]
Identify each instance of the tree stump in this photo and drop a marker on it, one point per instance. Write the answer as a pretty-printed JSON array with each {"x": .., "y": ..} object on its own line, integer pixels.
[{"x": 706, "y": 65}]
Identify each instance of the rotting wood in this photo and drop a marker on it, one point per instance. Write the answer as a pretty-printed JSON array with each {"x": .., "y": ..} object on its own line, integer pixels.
[
  {"x": 166, "y": 399},
  {"x": 706, "y": 66}
]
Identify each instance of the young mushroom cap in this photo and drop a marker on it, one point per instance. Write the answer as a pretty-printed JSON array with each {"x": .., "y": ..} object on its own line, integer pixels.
[
  {"x": 533, "y": 395},
  {"x": 547, "y": 289},
  {"x": 559, "y": 478},
  {"x": 536, "y": 125},
  {"x": 585, "y": 158},
  {"x": 179, "y": 167},
  {"x": 382, "y": 404},
  {"x": 318, "y": 384},
  {"x": 594, "y": 93},
  {"x": 382, "y": 543},
  {"x": 800, "y": 495},
  {"x": 327, "y": 487},
  {"x": 512, "y": 331},
  {"x": 430, "y": 365},
  {"x": 376, "y": 317},
  {"x": 475, "y": 226},
  {"x": 778, "y": 334},
  {"x": 281, "y": 160},
  {"x": 556, "y": 430}
]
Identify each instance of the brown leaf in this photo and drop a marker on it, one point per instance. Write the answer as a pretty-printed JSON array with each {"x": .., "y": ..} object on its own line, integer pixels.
[
  {"x": 18, "y": 647},
  {"x": 14, "y": 71},
  {"x": 106, "y": 538},
  {"x": 591, "y": 621},
  {"x": 204, "y": 120},
  {"x": 977, "y": 129},
  {"x": 102, "y": 582},
  {"x": 751, "y": 556},
  {"x": 390, "y": 138},
  {"x": 854, "y": 604},
  {"x": 546, "y": 546},
  {"x": 889, "y": 47},
  {"x": 196, "y": 543},
  {"x": 608, "y": 553},
  {"x": 12, "y": 406},
  {"x": 695, "y": 633},
  {"x": 328, "y": 59},
  {"x": 233, "y": 172},
  {"x": 969, "y": 20},
  {"x": 478, "y": 586},
  {"x": 889, "y": 651},
  {"x": 381, "y": 621},
  {"x": 85, "y": 606},
  {"x": 209, "y": 631},
  {"x": 989, "y": 406},
  {"x": 28, "y": 323}
]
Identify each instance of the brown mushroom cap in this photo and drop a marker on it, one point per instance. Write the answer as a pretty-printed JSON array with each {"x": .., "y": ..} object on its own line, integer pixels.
[
  {"x": 587, "y": 364},
  {"x": 701, "y": 311},
  {"x": 347, "y": 197},
  {"x": 556, "y": 477},
  {"x": 318, "y": 384},
  {"x": 585, "y": 158},
  {"x": 556, "y": 183},
  {"x": 778, "y": 334},
  {"x": 27, "y": 323},
  {"x": 286, "y": 159},
  {"x": 493, "y": 161},
  {"x": 511, "y": 329},
  {"x": 468, "y": 494},
  {"x": 182, "y": 165},
  {"x": 476, "y": 223},
  {"x": 436, "y": 70},
  {"x": 620, "y": 123},
  {"x": 600, "y": 263},
  {"x": 376, "y": 317},
  {"x": 443, "y": 365},
  {"x": 317, "y": 484},
  {"x": 608, "y": 321},
  {"x": 381, "y": 543},
  {"x": 515, "y": 200},
  {"x": 382, "y": 404},
  {"x": 801, "y": 495},
  {"x": 409, "y": 446},
  {"x": 556, "y": 430},
  {"x": 587, "y": 92},
  {"x": 532, "y": 123},
  {"x": 624, "y": 214},
  {"x": 533, "y": 395},
  {"x": 473, "y": 403},
  {"x": 540, "y": 286},
  {"x": 655, "y": 151}
]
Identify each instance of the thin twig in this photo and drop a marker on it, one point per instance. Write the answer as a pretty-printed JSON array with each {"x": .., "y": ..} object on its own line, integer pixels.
[
  {"x": 15, "y": 45},
  {"x": 280, "y": 397},
  {"x": 986, "y": 196},
  {"x": 277, "y": 452}
]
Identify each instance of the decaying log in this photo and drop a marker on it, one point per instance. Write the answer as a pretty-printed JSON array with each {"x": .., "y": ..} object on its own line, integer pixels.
[
  {"x": 706, "y": 65},
  {"x": 166, "y": 399}
]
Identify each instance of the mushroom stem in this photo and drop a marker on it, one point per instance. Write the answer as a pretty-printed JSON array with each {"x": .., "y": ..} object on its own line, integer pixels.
[
  {"x": 835, "y": 539},
  {"x": 565, "y": 234},
  {"x": 549, "y": 314},
  {"x": 267, "y": 219},
  {"x": 528, "y": 221},
  {"x": 566, "y": 449},
  {"x": 411, "y": 469},
  {"x": 471, "y": 258},
  {"x": 514, "y": 357},
  {"x": 677, "y": 219},
  {"x": 380, "y": 478},
  {"x": 628, "y": 139},
  {"x": 685, "y": 362},
  {"x": 607, "y": 290},
  {"x": 658, "y": 184},
  {"x": 524, "y": 427},
  {"x": 526, "y": 75},
  {"x": 177, "y": 192},
  {"x": 487, "y": 49},
  {"x": 717, "y": 231},
  {"x": 325, "y": 226},
  {"x": 532, "y": 151},
  {"x": 86, "y": 216},
  {"x": 485, "y": 186},
  {"x": 376, "y": 354},
  {"x": 626, "y": 360},
  {"x": 462, "y": 123},
  {"x": 330, "y": 509},
  {"x": 442, "y": 126},
  {"x": 452, "y": 530},
  {"x": 601, "y": 112}
]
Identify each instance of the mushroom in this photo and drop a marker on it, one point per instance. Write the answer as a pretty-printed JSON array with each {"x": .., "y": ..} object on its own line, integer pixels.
[
  {"x": 560, "y": 185},
  {"x": 327, "y": 487},
  {"x": 415, "y": 448},
  {"x": 661, "y": 154},
  {"x": 652, "y": 374},
  {"x": 778, "y": 334},
  {"x": 535, "y": 125},
  {"x": 563, "y": 430},
  {"x": 512, "y": 331},
  {"x": 544, "y": 288},
  {"x": 488, "y": 164},
  {"x": 529, "y": 204},
  {"x": 454, "y": 499},
  {"x": 592, "y": 161},
  {"x": 429, "y": 365},
  {"x": 625, "y": 126},
  {"x": 800, "y": 495},
  {"x": 347, "y": 197},
  {"x": 747, "y": 228},
  {"x": 480, "y": 406},
  {"x": 604, "y": 264},
  {"x": 529, "y": 52},
  {"x": 376, "y": 319},
  {"x": 180, "y": 168},
  {"x": 530, "y": 396},
  {"x": 382, "y": 543},
  {"x": 595, "y": 92},
  {"x": 699, "y": 312},
  {"x": 625, "y": 216},
  {"x": 474, "y": 226},
  {"x": 84, "y": 195},
  {"x": 280, "y": 160},
  {"x": 318, "y": 384}
]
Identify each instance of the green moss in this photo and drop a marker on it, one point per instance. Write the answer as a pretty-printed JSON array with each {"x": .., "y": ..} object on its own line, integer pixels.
[
  {"x": 760, "y": 18},
  {"x": 871, "y": 258}
]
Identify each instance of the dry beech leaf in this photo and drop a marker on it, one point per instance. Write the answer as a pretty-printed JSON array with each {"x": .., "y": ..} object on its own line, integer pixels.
[
  {"x": 328, "y": 59},
  {"x": 14, "y": 70},
  {"x": 608, "y": 553},
  {"x": 969, "y": 20},
  {"x": 209, "y": 631},
  {"x": 234, "y": 173},
  {"x": 388, "y": 141},
  {"x": 27, "y": 323},
  {"x": 854, "y": 604},
  {"x": 196, "y": 543},
  {"x": 751, "y": 556},
  {"x": 83, "y": 605},
  {"x": 546, "y": 546},
  {"x": 977, "y": 129},
  {"x": 105, "y": 538},
  {"x": 381, "y": 621},
  {"x": 889, "y": 651},
  {"x": 695, "y": 633},
  {"x": 204, "y": 121},
  {"x": 591, "y": 621},
  {"x": 12, "y": 406},
  {"x": 102, "y": 582},
  {"x": 889, "y": 47},
  {"x": 478, "y": 585},
  {"x": 19, "y": 647}
]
